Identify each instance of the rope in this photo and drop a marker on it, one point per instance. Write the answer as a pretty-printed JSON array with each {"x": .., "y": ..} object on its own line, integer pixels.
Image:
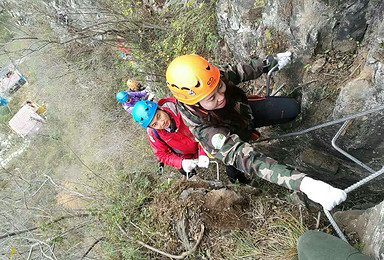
[{"x": 337, "y": 121}]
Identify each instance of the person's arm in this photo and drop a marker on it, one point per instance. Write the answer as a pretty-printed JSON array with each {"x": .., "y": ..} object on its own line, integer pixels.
[
  {"x": 162, "y": 151},
  {"x": 243, "y": 71},
  {"x": 231, "y": 150},
  {"x": 140, "y": 94}
]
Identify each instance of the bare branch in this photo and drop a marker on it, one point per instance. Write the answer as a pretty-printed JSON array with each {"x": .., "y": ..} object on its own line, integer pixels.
[
  {"x": 70, "y": 191},
  {"x": 183, "y": 255},
  {"x": 139, "y": 24},
  {"x": 40, "y": 243},
  {"x": 49, "y": 223},
  {"x": 92, "y": 246},
  {"x": 24, "y": 38},
  {"x": 81, "y": 225}
]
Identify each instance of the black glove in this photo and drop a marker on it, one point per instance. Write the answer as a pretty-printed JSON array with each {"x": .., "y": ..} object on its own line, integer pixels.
[{"x": 268, "y": 63}]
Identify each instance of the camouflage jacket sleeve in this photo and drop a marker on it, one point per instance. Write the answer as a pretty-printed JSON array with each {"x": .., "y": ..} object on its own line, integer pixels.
[
  {"x": 231, "y": 150},
  {"x": 243, "y": 71}
]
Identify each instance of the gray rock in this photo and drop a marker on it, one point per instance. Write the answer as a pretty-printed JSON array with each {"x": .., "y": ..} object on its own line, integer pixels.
[
  {"x": 186, "y": 194},
  {"x": 238, "y": 25},
  {"x": 318, "y": 65},
  {"x": 319, "y": 160},
  {"x": 368, "y": 225},
  {"x": 297, "y": 199},
  {"x": 305, "y": 25},
  {"x": 353, "y": 97},
  {"x": 308, "y": 28}
]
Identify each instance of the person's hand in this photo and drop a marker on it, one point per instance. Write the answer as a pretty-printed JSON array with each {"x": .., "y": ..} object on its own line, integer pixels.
[
  {"x": 322, "y": 193},
  {"x": 189, "y": 164},
  {"x": 283, "y": 59},
  {"x": 203, "y": 161}
]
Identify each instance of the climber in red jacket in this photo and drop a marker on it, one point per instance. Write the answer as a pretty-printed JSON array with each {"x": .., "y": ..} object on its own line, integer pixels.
[{"x": 171, "y": 140}]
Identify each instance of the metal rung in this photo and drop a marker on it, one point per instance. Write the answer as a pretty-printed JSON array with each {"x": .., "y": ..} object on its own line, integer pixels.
[
  {"x": 268, "y": 83},
  {"x": 268, "y": 79},
  {"x": 277, "y": 91},
  {"x": 217, "y": 170},
  {"x": 373, "y": 175}
]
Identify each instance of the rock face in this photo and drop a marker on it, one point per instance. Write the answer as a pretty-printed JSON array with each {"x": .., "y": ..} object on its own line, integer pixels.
[
  {"x": 368, "y": 225},
  {"x": 238, "y": 25},
  {"x": 306, "y": 25},
  {"x": 337, "y": 71}
]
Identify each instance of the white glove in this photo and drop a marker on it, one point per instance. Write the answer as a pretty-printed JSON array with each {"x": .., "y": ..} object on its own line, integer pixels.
[
  {"x": 203, "y": 161},
  {"x": 283, "y": 59},
  {"x": 322, "y": 193},
  {"x": 189, "y": 164}
]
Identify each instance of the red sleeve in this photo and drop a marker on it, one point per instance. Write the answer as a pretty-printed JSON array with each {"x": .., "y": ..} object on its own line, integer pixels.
[{"x": 163, "y": 152}]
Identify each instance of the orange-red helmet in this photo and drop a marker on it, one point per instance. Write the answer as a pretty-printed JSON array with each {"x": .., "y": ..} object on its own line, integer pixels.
[
  {"x": 191, "y": 78},
  {"x": 132, "y": 84}
]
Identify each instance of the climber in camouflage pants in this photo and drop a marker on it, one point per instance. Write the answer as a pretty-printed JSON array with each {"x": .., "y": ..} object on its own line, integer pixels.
[{"x": 223, "y": 119}]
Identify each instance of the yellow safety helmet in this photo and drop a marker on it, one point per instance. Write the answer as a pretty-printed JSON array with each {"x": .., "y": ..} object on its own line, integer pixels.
[
  {"x": 191, "y": 78},
  {"x": 133, "y": 84}
]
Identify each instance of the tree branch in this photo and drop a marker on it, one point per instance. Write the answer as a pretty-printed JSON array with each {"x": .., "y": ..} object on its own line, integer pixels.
[
  {"x": 92, "y": 246},
  {"x": 49, "y": 223},
  {"x": 70, "y": 191},
  {"x": 71, "y": 229},
  {"x": 183, "y": 255}
]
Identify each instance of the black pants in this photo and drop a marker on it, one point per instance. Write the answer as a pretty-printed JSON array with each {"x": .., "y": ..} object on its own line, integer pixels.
[
  {"x": 267, "y": 111},
  {"x": 234, "y": 174},
  {"x": 273, "y": 110}
]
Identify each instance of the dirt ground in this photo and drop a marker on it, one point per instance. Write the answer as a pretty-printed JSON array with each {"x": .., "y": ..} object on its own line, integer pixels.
[{"x": 228, "y": 210}]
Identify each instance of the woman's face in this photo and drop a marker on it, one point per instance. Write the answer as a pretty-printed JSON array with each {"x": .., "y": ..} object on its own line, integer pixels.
[
  {"x": 160, "y": 120},
  {"x": 216, "y": 99}
]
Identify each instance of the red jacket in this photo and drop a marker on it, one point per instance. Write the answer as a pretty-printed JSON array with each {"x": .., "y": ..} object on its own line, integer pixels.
[{"x": 182, "y": 142}]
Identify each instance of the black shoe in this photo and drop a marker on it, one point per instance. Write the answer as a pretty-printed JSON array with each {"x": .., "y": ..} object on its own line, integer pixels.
[
  {"x": 161, "y": 169},
  {"x": 234, "y": 174}
]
